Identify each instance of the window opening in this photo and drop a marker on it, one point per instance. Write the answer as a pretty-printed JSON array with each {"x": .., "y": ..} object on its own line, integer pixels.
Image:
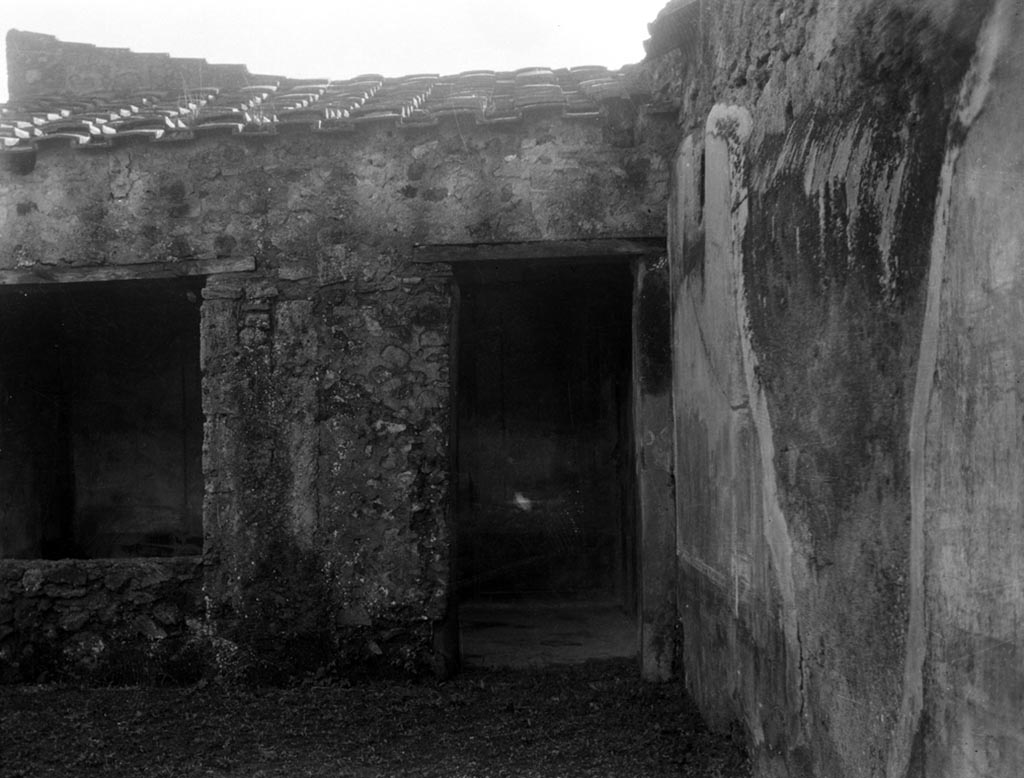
[{"x": 100, "y": 420}]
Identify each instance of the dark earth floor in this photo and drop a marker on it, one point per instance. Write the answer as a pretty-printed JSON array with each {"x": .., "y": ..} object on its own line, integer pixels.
[
  {"x": 595, "y": 719},
  {"x": 526, "y": 633}
]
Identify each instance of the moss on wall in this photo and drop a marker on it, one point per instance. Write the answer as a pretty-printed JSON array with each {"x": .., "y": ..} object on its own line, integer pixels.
[{"x": 832, "y": 218}]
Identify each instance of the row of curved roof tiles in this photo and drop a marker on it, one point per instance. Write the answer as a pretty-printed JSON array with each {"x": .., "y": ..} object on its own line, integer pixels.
[{"x": 415, "y": 100}]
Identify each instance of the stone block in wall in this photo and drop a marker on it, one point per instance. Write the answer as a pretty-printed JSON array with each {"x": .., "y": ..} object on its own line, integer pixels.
[{"x": 218, "y": 334}]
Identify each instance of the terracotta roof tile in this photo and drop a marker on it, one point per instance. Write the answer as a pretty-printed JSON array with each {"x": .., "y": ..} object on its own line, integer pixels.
[{"x": 99, "y": 118}]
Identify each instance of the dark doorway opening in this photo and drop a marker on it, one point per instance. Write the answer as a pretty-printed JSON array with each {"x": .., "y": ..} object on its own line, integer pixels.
[
  {"x": 545, "y": 507},
  {"x": 100, "y": 420}
]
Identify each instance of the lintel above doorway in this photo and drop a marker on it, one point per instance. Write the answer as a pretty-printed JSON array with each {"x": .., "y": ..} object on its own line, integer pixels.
[
  {"x": 608, "y": 248},
  {"x": 48, "y": 274}
]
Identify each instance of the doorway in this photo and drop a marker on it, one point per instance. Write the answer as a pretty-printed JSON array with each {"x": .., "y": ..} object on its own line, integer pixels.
[{"x": 546, "y": 538}]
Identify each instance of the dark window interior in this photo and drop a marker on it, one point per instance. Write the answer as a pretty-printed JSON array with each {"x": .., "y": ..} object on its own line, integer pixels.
[
  {"x": 544, "y": 495},
  {"x": 100, "y": 420}
]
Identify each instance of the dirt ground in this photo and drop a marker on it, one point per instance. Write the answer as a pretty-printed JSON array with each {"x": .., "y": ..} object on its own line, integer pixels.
[{"x": 596, "y": 719}]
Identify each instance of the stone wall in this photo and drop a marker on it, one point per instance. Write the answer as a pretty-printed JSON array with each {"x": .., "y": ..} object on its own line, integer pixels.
[
  {"x": 108, "y": 621},
  {"x": 319, "y": 206},
  {"x": 42, "y": 65},
  {"x": 326, "y": 464},
  {"x": 836, "y": 459},
  {"x": 326, "y": 386}
]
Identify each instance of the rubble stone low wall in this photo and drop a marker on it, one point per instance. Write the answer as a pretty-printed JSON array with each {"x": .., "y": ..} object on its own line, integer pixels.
[{"x": 114, "y": 620}]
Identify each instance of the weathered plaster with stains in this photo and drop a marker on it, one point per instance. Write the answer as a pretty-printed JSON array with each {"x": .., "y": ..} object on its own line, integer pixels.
[
  {"x": 734, "y": 547},
  {"x": 843, "y": 196},
  {"x": 967, "y": 450}
]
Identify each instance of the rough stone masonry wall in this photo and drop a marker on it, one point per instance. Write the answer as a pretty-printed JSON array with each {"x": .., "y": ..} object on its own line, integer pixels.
[
  {"x": 105, "y": 620},
  {"x": 326, "y": 369},
  {"x": 844, "y": 291},
  {"x": 326, "y": 466}
]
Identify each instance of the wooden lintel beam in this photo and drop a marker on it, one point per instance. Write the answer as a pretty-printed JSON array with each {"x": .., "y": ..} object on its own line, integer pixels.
[
  {"x": 47, "y": 274},
  {"x": 539, "y": 249}
]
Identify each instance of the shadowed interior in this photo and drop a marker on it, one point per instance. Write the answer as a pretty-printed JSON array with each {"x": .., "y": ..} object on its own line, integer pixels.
[
  {"x": 101, "y": 420},
  {"x": 544, "y": 382}
]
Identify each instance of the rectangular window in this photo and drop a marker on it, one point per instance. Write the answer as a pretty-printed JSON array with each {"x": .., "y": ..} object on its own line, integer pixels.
[{"x": 100, "y": 420}]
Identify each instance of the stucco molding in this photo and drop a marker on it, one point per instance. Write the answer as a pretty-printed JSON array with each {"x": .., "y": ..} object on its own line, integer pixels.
[{"x": 727, "y": 131}]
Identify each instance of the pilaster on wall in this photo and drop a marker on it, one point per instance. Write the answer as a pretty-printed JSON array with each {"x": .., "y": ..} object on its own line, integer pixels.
[
  {"x": 735, "y": 586},
  {"x": 325, "y": 467},
  {"x": 652, "y": 424}
]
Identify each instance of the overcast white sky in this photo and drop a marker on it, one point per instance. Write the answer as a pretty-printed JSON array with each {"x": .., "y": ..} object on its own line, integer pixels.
[{"x": 343, "y": 38}]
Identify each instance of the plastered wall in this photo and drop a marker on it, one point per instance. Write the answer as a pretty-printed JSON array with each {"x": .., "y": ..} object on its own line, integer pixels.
[{"x": 843, "y": 451}]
